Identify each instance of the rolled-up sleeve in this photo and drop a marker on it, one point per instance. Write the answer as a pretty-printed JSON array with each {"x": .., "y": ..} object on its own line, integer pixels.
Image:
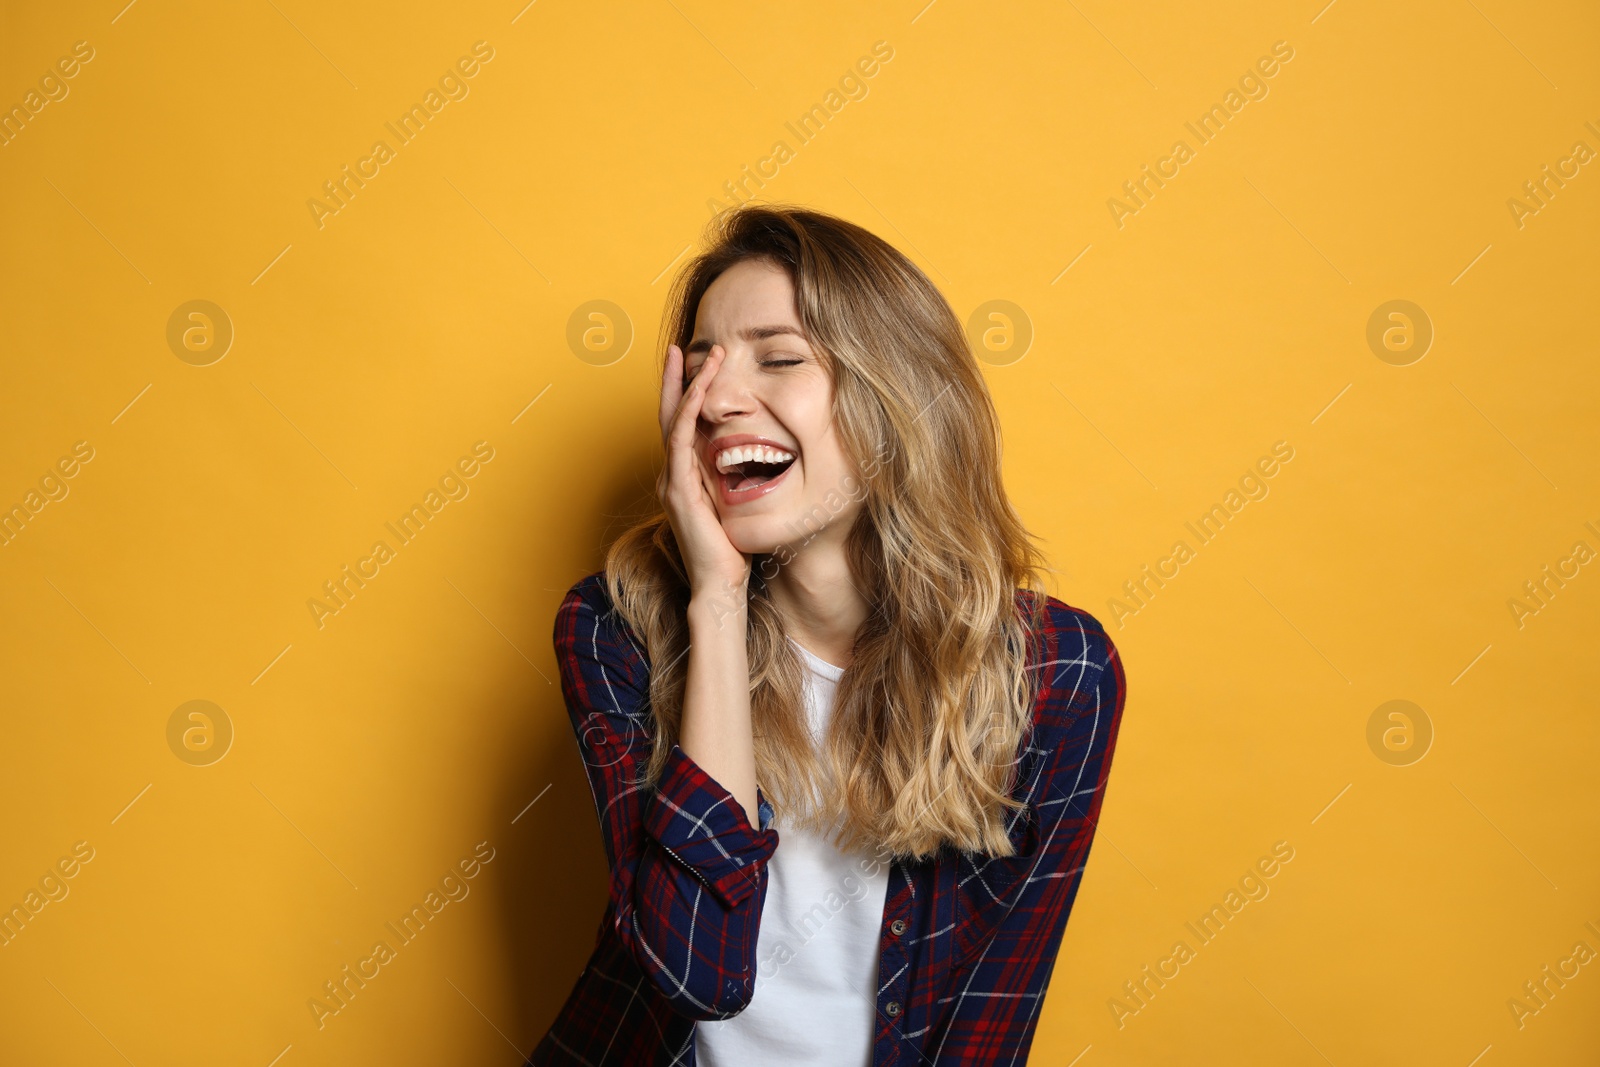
[
  {"x": 701, "y": 825},
  {"x": 688, "y": 871}
]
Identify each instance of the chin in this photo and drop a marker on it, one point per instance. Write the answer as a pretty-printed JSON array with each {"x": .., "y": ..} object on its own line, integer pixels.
[{"x": 755, "y": 536}]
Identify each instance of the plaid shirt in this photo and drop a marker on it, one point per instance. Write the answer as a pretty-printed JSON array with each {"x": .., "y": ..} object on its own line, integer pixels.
[{"x": 967, "y": 943}]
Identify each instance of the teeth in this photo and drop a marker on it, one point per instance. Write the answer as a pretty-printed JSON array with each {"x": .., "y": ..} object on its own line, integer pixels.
[{"x": 731, "y": 457}]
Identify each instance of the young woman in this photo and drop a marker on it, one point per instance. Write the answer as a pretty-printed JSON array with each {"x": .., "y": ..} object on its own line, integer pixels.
[{"x": 847, "y": 755}]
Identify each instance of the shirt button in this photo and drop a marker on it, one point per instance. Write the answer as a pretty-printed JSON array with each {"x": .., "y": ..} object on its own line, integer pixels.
[
  {"x": 893, "y": 1008},
  {"x": 897, "y": 927}
]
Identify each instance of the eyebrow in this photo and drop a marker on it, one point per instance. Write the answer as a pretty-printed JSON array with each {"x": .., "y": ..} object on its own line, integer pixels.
[{"x": 749, "y": 333}]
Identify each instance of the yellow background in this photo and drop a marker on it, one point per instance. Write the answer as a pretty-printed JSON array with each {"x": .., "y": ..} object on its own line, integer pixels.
[{"x": 373, "y": 753}]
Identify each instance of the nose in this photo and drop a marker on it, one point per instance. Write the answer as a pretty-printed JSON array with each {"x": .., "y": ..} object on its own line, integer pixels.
[{"x": 728, "y": 395}]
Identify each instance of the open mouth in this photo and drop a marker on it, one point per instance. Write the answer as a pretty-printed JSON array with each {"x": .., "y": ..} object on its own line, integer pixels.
[{"x": 750, "y": 470}]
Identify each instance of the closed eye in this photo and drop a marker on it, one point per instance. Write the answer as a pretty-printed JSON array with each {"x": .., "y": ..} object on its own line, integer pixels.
[{"x": 765, "y": 363}]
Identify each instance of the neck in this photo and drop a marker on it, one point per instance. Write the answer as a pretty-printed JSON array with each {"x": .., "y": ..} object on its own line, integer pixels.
[{"x": 821, "y": 607}]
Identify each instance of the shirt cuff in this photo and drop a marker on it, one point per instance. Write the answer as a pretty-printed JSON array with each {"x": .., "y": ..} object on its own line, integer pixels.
[{"x": 703, "y": 827}]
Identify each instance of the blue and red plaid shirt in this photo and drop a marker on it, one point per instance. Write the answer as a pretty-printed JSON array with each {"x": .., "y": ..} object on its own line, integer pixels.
[{"x": 967, "y": 942}]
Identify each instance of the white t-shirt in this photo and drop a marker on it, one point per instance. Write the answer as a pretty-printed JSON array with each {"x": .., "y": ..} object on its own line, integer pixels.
[{"x": 817, "y": 947}]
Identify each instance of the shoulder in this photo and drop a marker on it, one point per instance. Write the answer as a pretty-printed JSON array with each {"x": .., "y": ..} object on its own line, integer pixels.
[
  {"x": 587, "y": 605},
  {"x": 589, "y": 626},
  {"x": 1075, "y": 651},
  {"x": 589, "y": 591}
]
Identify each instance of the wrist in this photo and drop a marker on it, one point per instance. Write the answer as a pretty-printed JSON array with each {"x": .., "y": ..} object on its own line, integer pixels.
[{"x": 717, "y": 608}]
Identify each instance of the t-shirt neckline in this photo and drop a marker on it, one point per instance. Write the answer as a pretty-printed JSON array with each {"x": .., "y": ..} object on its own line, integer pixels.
[{"x": 821, "y": 666}]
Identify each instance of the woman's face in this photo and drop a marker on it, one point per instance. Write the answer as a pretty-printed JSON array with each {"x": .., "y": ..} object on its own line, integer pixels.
[{"x": 771, "y": 390}]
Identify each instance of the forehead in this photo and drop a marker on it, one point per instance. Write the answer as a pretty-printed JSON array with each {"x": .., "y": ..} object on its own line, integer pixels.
[{"x": 749, "y": 291}]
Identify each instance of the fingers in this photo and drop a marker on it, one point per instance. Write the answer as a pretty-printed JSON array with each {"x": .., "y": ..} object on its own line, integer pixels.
[
  {"x": 680, "y": 439},
  {"x": 693, "y": 398},
  {"x": 708, "y": 372},
  {"x": 671, "y": 387},
  {"x": 683, "y": 467}
]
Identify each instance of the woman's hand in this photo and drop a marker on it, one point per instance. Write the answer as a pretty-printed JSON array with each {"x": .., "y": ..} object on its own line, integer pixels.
[
  {"x": 716, "y": 731},
  {"x": 688, "y": 492}
]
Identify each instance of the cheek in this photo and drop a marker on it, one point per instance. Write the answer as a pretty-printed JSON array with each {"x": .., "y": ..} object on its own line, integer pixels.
[
  {"x": 821, "y": 467},
  {"x": 829, "y": 485},
  {"x": 821, "y": 453},
  {"x": 829, "y": 467}
]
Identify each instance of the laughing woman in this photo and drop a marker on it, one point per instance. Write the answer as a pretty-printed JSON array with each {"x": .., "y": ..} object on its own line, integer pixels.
[{"x": 847, "y": 755}]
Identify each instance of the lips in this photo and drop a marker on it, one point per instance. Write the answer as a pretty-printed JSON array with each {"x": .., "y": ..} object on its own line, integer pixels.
[{"x": 752, "y": 478}]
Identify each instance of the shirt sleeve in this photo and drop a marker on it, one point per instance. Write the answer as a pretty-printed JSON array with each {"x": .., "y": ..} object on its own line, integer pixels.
[
  {"x": 688, "y": 871},
  {"x": 1017, "y": 906}
]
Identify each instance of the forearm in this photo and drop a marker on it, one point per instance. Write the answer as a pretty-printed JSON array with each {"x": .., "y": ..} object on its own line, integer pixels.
[
  {"x": 716, "y": 731},
  {"x": 687, "y": 869}
]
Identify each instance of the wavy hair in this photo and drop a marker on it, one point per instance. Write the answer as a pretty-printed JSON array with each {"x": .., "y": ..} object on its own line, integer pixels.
[{"x": 931, "y": 713}]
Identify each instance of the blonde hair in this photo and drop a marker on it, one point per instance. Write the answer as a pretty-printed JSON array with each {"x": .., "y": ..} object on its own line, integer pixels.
[{"x": 938, "y": 696}]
